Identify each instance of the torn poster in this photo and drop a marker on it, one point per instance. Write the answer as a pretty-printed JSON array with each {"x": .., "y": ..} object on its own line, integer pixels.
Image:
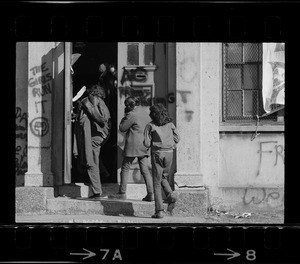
[{"x": 273, "y": 85}]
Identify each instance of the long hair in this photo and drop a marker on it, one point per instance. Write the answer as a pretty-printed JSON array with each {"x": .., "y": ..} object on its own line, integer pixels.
[
  {"x": 159, "y": 115},
  {"x": 96, "y": 90},
  {"x": 131, "y": 102}
]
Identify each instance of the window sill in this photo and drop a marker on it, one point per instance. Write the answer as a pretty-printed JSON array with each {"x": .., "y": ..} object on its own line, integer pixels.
[{"x": 234, "y": 127}]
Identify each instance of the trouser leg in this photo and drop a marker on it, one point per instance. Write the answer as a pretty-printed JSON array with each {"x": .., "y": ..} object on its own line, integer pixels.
[
  {"x": 144, "y": 169},
  {"x": 167, "y": 158},
  {"x": 126, "y": 163},
  {"x": 157, "y": 171},
  {"x": 93, "y": 171}
]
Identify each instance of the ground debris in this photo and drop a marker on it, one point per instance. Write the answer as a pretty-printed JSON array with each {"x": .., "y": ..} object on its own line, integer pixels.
[{"x": 214, "y": 211}]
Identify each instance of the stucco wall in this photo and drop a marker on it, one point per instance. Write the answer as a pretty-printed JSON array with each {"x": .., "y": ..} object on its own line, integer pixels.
[
  {"x": 238, "y": 172},
  {"x": 257, "y": 163},
  {"x": 188, "y": 65},
  {"x": 21, "y": 111},
  {"x": 40, "y": 120}
]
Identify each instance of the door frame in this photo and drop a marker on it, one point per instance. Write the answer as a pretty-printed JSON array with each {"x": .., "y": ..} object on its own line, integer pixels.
[{"x": 68, "y": 94}]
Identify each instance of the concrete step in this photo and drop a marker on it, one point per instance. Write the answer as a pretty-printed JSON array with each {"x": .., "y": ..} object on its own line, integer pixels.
[
  {"x": 134, "y": 191},
  {"x": 190, "y": 203},
  {"x": 105, "y": 206}
]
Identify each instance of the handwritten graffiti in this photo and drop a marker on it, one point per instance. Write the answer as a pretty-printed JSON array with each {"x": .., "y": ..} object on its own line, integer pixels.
[
  {"x": 183, "y": 95},
  {"x": 39, "y": 68},
  {"x": 21, "y": 124},
  {"x": 21, "y": 162},
  {"x": 184, "y": 99},
  {"x": 145, "y": 97},
  {"x": 21, "y": 117},
  {"x": 46, "y": 89},
  {"x": 21, "y": 139},
  {"x": 42, "y": 104},
  {"x": 42, "y": 80},
  {"x": 258, "y": 196},
  {"x": 39, "y": 126},
  {"x": 188, "y": 69},
  {"x": 33, "y": 81},
  {"x": 189, "y": 115},
  {"x": 269, "y": 149}
]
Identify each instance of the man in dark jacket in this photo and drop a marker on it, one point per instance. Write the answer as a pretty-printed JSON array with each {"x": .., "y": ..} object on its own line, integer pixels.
[
  {"x": 133, "y": 124},
  {"x": 92, "y": 130}
]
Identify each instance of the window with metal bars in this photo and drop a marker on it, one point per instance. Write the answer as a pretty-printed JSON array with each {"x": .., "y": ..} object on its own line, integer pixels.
[{"x": 242, "y": 82}]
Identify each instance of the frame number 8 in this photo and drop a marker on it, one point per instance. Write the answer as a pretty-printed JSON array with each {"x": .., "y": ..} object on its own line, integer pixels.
[{"x": 251, "y": 255}]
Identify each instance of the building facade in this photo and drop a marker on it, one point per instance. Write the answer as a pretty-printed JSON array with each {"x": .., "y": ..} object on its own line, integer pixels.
[{"x": 214, "y": 99}]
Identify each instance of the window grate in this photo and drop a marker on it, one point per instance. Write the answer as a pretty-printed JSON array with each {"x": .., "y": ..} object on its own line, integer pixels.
[{"x": 242, "y": 82}]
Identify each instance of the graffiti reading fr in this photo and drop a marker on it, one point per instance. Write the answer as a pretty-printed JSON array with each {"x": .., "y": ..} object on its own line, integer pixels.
[{"x": 267, "y": 149}]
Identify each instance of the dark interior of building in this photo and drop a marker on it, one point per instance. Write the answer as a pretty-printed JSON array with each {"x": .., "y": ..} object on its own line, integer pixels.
[{"x": 86, "y": 72}]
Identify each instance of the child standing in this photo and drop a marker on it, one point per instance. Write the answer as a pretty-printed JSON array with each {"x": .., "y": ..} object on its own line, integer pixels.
[
  {"x": 133, "y": 124},
  {"x": 162, "y": 136}
]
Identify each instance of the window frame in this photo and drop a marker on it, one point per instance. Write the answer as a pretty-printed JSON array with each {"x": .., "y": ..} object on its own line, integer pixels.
[
  {"x": 141, "y": 51},
  {"x": 246, "y": 125}
]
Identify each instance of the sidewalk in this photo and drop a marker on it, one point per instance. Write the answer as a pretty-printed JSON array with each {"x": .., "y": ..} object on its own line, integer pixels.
[
  {"x": 104, "y": 219},
  {"x": 257, "y": 218}
]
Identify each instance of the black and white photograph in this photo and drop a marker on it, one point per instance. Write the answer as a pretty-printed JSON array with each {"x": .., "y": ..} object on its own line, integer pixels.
[{"x": 150, "y": 132}]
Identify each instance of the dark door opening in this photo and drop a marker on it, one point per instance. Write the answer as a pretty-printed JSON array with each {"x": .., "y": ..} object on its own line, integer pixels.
[{"x": 97, "y": 58}]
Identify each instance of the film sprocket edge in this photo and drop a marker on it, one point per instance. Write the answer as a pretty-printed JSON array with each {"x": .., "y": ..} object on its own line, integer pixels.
[{"x": 219, "y": 71}]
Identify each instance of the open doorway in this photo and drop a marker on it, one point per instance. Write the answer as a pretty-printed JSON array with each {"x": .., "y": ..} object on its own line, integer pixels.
[{"x": 92, "y": 67}]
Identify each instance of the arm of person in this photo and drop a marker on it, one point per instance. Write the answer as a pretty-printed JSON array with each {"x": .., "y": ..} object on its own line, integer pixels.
[
  {"x": 147, "y": 136},
  {"x": 93, "y": 112},
  {"x": 126, "y": 122},
  {"x": 175, "y": 134}
]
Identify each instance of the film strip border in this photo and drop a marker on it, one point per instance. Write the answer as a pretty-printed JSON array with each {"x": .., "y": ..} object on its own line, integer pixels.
[
  {"x": 148, "y": 244},
  {"x": 161, "y": 22}
]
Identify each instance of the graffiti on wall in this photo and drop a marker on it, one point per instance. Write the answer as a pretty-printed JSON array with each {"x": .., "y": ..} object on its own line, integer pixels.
[
  {"x": 40, "y": 82},
  {"x": 257, "y": 196},
  {"x": 145, "y": 96},
  {"x": 270, "y": 148},
  {"x": 184, "y": 99},
  {"x": 21, "y": 141},
  {"x": 39, "y": 126},
  {"x": 188, "y": 73},
  {"x": 188, "y": 69}
]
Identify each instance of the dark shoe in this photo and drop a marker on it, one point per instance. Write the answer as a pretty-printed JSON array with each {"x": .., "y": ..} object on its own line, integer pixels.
[
  {"x": 158, "y": 214},
  {"x": 148, "y": 198},
  {"x": 120, "y": 196},
  {"x": 98, "y": 196},
  {"x": 171, "y": 200}
]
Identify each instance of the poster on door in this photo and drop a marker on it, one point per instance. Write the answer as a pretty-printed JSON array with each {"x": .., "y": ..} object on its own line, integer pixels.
[{"x": 273, "y": 86}]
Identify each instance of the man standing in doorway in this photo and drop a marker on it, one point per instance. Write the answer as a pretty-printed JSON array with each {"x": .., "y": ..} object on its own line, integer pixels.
[{"x": 92, "y": 130}]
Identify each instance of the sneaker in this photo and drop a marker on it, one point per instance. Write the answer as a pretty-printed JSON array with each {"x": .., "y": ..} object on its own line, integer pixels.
[
  {"x": 158, "y": 214},
  {"x": 148, "y": 198},
  {"x": 98, "y": 196},
  {"x": 120, "y": 196}
]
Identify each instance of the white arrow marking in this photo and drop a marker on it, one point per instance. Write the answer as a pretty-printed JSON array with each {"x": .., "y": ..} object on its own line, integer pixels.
[
  {"x": 233, "y": 254},
  {"x": 88, "y": 255}
]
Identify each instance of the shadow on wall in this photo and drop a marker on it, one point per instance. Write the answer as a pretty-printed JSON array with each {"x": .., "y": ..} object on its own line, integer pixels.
[
  {"x": 46, "y": 89},
  {"x": 21, "y": 112}
]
